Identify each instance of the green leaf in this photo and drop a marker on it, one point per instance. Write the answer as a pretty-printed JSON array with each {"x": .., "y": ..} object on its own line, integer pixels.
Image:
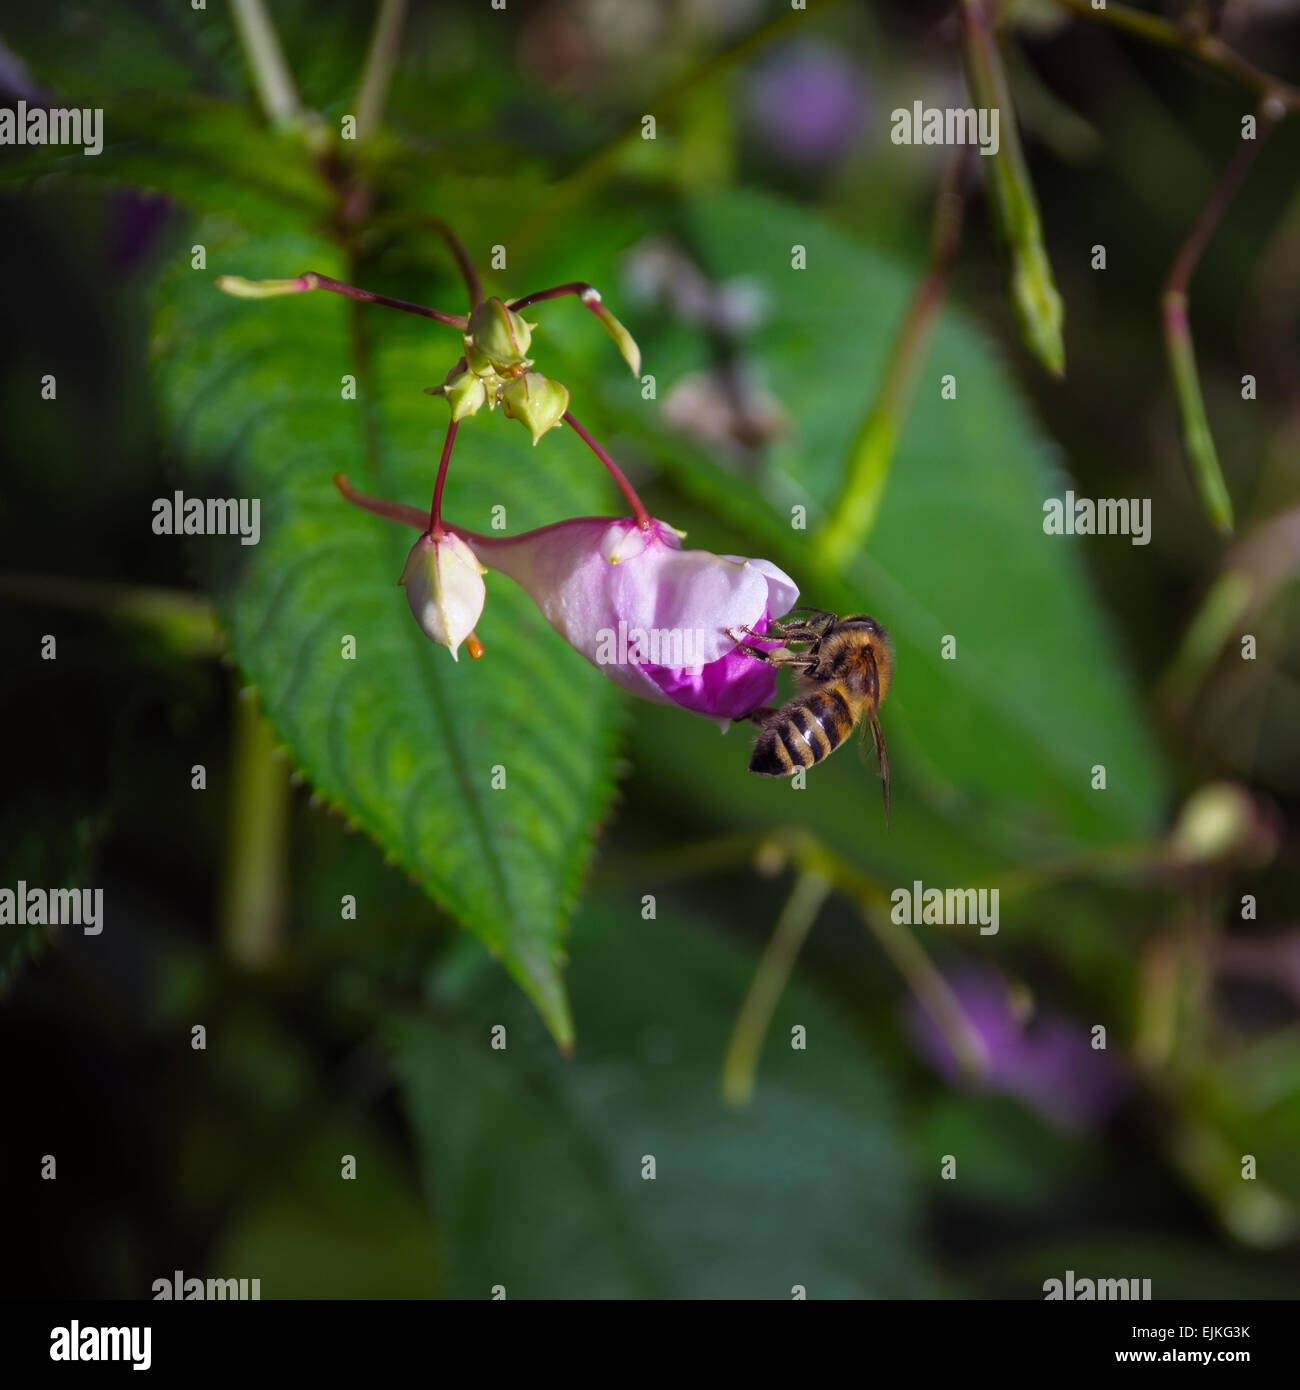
[
  {"x": 401, "y": 740},
  {"x": 534, "y": 1165},
  {"x": 317, "y": 1236},
  {"x": 46, "y": 846},
  {"x": 170, "y": 87},
  {"x": 211, "y": 155},
  {"x": 1034, "y": 295},
  {"x": 1001, "y": 740},
  {"x": 91, "y": 55}
]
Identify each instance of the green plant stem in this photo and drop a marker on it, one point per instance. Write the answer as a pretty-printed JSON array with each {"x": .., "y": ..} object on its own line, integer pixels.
[
  {"x": 855, "y": 511},
  {"x": 1196, "y": 43},
  {"x": 253, "y": 897},
  {"x": 1122, "y": 861},
  {"x": 718, "y": 854},
  {"x": 1034, "y": 295},
  {"x": 266, "y": 63},
  {"x": 1197, "y": 435},
  {"x": 1253, "y": 574},
  {"x": 774, "y": 967},
  {"x": 811, "y": 856},
  {"x": 934, "y": 994},
  {"x": 381, "y": 59},
  {"x": 1219, "y": 616},
  {"x": 813, "y": 859}
]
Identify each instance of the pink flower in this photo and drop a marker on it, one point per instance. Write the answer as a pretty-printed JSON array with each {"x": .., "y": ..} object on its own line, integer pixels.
[
  {"x": 655, "y": 618},
  {"x": 652, "y": 616}
]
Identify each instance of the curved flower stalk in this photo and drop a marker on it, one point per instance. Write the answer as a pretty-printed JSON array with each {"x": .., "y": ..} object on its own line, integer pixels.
[
  {"x": 650, "y": 615},
  {"x": 496, "y": 338}
]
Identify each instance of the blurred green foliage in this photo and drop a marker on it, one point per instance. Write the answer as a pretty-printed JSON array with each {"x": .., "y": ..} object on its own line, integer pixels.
[{"x": 371, "y": 1038}]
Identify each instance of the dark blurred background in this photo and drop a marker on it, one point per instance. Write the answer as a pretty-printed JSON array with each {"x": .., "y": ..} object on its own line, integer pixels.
[{"x": 330, "y": 1037}]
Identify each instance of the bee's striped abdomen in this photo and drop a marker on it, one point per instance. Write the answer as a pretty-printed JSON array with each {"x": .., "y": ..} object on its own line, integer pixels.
[{"x": 802, "y": 733}]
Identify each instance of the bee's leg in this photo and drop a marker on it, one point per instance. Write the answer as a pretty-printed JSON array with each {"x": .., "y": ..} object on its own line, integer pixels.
[
  {"x": 823, "y": 628},
  {"x": 789, "y": 659},
  {"x": 803, "y": 630},
  {"x": 773, "y": 634},
  {"x": 763, "y": 714}
]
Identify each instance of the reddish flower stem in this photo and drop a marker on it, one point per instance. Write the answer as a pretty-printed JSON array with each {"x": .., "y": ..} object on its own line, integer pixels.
[
  {"x": 643, "y": 518},
  {"x": 435, "y": 511},
  {"x": 393, "y": 511},
  {"x": 462, "y": 258},
  {"x": 578, "y": 287},
  {"x": 1210, "y": 215},
  {"x": 418, "y": 519},
  {"x": 591, "y": 300},
  {"x": 312, "y": 281},
  {"x": 1197, "y": 434}
]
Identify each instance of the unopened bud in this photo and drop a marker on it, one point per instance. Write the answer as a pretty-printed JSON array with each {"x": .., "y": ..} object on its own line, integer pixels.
[
  {"x": 464, "y": 392},
  {"x": 261, "y": 289},
  {"x": 499, "y": 334},
  {"x": 444, "y": 586},
  {"x": 536, "y": 400},
  {"x": 480, "y": 363}
]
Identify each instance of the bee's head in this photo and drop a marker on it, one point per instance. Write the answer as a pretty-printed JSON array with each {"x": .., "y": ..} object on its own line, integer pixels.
[
  {"x": 861, "y": 620},
  {"x": 882, "y": 648}
]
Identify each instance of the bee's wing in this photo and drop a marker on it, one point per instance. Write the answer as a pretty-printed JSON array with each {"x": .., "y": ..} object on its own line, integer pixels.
[
  {"x": 877, "y": 733},
  {"x": 882, "y": 756}
]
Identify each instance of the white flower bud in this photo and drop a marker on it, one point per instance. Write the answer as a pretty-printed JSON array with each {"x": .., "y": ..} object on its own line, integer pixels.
[{"x": 444, "y": 586}]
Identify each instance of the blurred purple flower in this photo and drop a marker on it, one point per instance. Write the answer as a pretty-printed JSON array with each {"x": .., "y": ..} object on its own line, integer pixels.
[
  {"x": 808, "y": 102},
  {"x": 137, "y": 218},
  {"x": 16, "y": 81},
  {"x": 1048, "y": 1063}
]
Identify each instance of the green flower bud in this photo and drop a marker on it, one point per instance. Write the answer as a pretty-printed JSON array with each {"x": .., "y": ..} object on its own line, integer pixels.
[
  {"x": 464, "y": 392},
  {"x": 479, "y": 362},
  {"x": 260, "y": 289},
  {"x": 536, "y": 400},
  {"x": 501, "y": 335}
]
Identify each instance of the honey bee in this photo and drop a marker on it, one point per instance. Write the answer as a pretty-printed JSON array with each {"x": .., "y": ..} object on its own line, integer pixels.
[{"x": 848, "y": 663}]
